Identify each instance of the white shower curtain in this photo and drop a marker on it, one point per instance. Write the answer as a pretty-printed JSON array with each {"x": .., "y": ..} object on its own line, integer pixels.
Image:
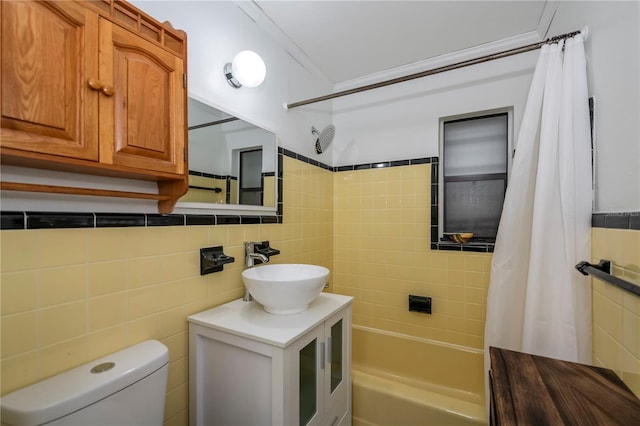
[{"x": 537, "y": 302}]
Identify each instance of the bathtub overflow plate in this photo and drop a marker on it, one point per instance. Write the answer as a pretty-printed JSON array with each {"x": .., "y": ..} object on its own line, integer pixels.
[{"x": 101, "y": 368}]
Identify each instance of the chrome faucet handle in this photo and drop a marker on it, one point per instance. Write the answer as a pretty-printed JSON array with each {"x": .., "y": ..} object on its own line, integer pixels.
[{"x": 259, "y": 250}]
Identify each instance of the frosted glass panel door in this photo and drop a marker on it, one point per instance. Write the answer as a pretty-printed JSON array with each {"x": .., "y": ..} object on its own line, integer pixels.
[
  {"x": 308, "y": 382},
  {"x": 308, "y": 365},
  {"x": 337, "y": 384},
  {"x": 336, "y": 355}
]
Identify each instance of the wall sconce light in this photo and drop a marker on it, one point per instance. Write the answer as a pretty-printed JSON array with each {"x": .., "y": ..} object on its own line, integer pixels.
[{"x": 247, "y": 69}]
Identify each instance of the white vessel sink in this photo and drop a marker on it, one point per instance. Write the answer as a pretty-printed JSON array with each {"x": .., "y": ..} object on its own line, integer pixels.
[{"x": 285, "y": 288}]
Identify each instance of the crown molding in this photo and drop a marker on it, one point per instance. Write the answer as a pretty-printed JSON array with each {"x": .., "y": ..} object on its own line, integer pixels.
[
  {"x": 257, "y": 15},
  {"x": 546, "y": 17}
]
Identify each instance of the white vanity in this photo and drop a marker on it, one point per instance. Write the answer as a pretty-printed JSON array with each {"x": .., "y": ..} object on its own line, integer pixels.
[{"x": 250, "y": 367}]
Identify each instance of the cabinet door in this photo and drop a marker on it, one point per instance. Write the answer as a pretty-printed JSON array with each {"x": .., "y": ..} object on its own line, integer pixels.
[
  {"x": 142, "y": 125},
  {"x": 308, "y": 383},
  {"x": 338, "y": 364},
  {"x": 49, "y": 53}
]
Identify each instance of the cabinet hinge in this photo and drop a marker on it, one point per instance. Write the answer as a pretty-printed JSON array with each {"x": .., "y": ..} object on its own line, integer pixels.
[
  {"x": 184, "y": 154},
  {"x": 184, "y": 80}
]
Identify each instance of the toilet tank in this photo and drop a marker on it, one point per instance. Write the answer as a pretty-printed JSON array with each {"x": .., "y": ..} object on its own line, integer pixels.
[{"x": 125, "y": 388}]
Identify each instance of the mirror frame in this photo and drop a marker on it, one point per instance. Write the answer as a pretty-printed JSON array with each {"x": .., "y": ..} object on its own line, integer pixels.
[{"x": 184, "y": 207}]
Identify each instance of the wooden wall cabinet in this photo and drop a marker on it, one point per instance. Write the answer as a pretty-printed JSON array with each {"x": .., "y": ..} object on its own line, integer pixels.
[{"x": 94, "y": 87}]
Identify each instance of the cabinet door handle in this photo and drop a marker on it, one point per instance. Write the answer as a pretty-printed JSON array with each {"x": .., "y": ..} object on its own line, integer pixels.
[
  {"x": 108, "y": 90},
  {"x": 97, "y": 86},
  {"x": 322, "y": 355}
]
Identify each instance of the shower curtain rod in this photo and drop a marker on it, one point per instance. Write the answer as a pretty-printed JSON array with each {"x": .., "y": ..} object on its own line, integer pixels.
[
  {"x": 433, "y": 71},
  {"x": 213, "y": 123}
]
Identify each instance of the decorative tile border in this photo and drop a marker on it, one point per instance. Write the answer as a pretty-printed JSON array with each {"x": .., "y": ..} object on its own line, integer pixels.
[
  {"x": 57, "y": 220},
  {"x": 50, "y": 220},
  {"x": 364, "y": 166},
  {"x": 628, "y": 220}
]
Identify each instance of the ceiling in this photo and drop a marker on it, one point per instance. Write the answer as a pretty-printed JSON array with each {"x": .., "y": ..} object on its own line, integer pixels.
[{"x": 348, "y": 40}]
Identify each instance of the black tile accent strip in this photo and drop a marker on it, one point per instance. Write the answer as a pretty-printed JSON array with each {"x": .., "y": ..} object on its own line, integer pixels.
[
  {"x": 426, "y": 160},
  {"x": 380, "y": 165},
  {"x": 207, "y": 175},
  {"x": 227, "y": 220},
  {"x": 450, "y": 247},
  {"x": 475, "y": 248},
  {"x": 12, "y": 220},
  {"x": 434, "y": 215},
  {"x": 468, "y": 247},
  {"x": 38, "y": 220},
  {"x": 108, "y": 220},
  {"x": 249, "y": 220},
  {"x": 617, "y": 221},
  {"x": 362, "y": 166},
  {"x": 165, "y": 220},
  {"x": 626, "y": 220},
  {"x": 200, "y": 219},
  {"x": 41, "y": 220},
  {"x": 597, "y": 221},
  {"x": 365, "y": 166},
  {"x": 269, "y": 219}
]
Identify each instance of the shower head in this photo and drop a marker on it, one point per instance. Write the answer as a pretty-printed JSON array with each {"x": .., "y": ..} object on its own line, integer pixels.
[{"x": 323, "y": 138}]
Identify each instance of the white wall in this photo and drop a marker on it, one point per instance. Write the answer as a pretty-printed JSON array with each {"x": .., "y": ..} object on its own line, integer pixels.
[
  {"x": 613, "y": 68},
  {"x": 216, "y": 31},
  {"x": 401, "y": 121}
]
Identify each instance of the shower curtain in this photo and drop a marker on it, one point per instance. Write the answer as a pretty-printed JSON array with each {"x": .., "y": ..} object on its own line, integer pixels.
[{"x": 537, "y": 302}]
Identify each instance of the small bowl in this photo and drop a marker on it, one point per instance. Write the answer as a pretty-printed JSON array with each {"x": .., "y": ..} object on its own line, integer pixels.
[{"x": 459, "y": 237}]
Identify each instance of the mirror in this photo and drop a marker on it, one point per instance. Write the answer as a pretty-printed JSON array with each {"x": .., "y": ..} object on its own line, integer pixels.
[{"x": 232, "y": 163}]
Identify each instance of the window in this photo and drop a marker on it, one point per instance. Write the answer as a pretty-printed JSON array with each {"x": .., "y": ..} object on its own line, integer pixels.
[
  {"x": 475, "y": 164},
  {"x": 251, "y": 184}
]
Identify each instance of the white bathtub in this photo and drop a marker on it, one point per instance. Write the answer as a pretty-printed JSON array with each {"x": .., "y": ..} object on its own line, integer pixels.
[{"x": 402, "y": 380}]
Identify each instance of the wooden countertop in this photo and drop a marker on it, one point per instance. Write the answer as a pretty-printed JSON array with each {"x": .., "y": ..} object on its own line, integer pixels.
[{"x": 533, "y": 390}]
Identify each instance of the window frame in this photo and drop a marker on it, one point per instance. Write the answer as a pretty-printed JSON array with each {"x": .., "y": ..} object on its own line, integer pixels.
[{"x": 508, "y": 111}]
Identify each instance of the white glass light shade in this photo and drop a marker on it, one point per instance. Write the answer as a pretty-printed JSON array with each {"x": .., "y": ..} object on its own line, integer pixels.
[{"x": 248, "y": 68}]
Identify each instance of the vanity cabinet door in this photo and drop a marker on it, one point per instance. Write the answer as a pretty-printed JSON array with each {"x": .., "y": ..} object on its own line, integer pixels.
[
  {"x": 321, "y": 379},
  {"x": 49, "y": 55},
  {"x": 337, "y": 392},
  {"x": 143, "y": 123},
  {"x": 308, "y": 378}
]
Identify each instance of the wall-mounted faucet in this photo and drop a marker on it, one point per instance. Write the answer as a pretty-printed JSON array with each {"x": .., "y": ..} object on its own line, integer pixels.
[
  {"x": 250, "y": 255},
  {"x": 259, "y": 252}
]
